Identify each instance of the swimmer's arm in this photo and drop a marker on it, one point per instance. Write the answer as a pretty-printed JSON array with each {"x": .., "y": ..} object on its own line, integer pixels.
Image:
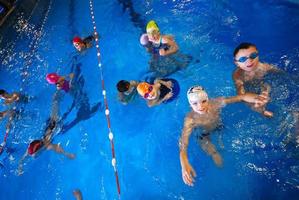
[
  {"x": 20, "y": 167},
  {"x": 187, "y": 130},
  {"x": 239, "y": 84},
  {"x": 14, "y": 97},
  {"x": 188, "y": 173},
  {"x": 58, "y": 149},
  {"x": 272, "y": 68},
  {"x": 134, "y": 83},
  {"x": 173, "y": 47},
  {"x": 152, "y": 103},
  {"x": 247, "y": 97},
  {"x": 166, "y": 83}
]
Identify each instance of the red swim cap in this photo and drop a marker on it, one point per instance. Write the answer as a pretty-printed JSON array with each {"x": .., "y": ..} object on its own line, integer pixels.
[
  {"x": 52, "y": 78},
  {"x": 77, "y": 40},
  {"x": 34, "y": 146}
]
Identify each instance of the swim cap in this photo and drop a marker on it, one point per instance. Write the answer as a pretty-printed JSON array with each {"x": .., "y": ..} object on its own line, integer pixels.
[
  {"x": 52, "y": 78},
  {"x": 144, "y": 39},
  {"x": 143, "y": 88},
  {"x": 77, "y": 40},
  {"x": 34, "y": 146},
  {"x": 196, "y": 93},
  {"x": 151, "y": 26}
]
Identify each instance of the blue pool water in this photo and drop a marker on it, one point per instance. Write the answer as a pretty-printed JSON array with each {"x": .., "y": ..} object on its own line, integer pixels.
[{"x": 260, "y": 155}]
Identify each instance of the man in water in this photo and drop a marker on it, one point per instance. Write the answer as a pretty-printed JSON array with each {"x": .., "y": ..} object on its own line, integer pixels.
[
  {"x": 46, "y": 141},
  {"x": 205, "y": 114},
  {"x": 250, "y": 73}
]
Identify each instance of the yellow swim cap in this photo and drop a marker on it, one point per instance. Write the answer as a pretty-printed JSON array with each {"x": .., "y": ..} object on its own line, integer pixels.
[
  {"x": 144, "y": 88},
  {"x": 151, "y": 26}
]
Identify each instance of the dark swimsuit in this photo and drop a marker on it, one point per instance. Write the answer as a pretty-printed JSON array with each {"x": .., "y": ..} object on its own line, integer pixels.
[
  {"x": 88, "y": 40},
  {"x": 165, "y": 90},
  {"x": 156, "y": 47}
]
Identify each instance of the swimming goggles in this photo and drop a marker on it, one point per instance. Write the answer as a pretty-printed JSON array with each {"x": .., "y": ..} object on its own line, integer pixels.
[
  {"x": 147, "y": 94},
  {"x": 252, "y": 56}
]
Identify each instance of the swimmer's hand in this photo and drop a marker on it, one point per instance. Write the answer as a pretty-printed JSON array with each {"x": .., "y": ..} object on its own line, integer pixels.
[
  {"x": 162, "y": 52},
  {"x": 168, "y": 96},
  {"x": 254, "y": 98},
  {"x": 188, "y": 173}
]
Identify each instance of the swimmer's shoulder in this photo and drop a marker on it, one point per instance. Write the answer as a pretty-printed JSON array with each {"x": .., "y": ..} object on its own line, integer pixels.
[{"x": 237, "y": 74}]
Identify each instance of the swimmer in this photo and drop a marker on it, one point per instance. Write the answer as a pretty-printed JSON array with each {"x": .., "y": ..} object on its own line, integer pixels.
[
  {"x": 45, "y": 143},
  {"x": 250, "y": 72},
  {"x": 77, "y": 194},
  {"x": 165, "y": 56},
  {"x": 205, "y": 114},
  {"x": 126, "y": 91},
  {"x": 156, "y": 43},
  {"x": 11, "y": 115},
  {"x": 162, "y": 91},
  {"x": 9, "y": 98},
  {"x": 60, "y": 81},
  {"x": 83, "y": 44}
]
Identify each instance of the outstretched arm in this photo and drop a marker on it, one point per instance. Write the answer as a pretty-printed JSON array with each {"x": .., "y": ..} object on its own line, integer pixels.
[
  {"x": 188, "y": 173},
  {"x": 58, "y": 149},
  {"x": 247, "y": 97}
]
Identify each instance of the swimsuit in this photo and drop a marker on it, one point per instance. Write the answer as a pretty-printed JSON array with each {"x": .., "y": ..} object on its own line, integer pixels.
[
  {"x": 66, "y": 86},
  {"x": 175, "y": 89},
  {"x": 157, "y": 46}
]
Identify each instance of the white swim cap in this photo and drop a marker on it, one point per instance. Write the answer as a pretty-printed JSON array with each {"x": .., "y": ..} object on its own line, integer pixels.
[{"x": 197, "y": 93}]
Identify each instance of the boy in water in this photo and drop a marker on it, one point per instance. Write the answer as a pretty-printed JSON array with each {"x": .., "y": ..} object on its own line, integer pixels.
[
  {"x": 46, "y": 141},
  {"x": 205, "y": 114},
  {"x": 126, "y": 91},
  {"x": 9, "y": 98},
  {"x": 250, "y": 73}
]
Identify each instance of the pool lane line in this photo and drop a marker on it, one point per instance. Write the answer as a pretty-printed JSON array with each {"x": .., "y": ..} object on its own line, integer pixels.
[{"x": 107, "y": 112}]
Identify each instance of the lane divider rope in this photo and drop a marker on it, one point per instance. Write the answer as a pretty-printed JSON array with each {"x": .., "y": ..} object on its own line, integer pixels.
[{"x": 107, "y": 112}]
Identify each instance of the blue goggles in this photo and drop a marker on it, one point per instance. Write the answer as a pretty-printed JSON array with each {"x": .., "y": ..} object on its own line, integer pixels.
[{"x": 252, "y": 56}]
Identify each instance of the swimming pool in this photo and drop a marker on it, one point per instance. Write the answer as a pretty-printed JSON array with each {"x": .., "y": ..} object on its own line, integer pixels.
[{"x": 260, "y": 155}]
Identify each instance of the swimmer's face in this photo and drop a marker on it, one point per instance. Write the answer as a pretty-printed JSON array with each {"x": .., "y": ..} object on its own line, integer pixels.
[
  {"x": 249, "y": 57},
  {"x": 151, "y": 95},
  {"x": 154, "y": 36},
  {"x": 78, "y": 45},
  {"x": 200, "y": 106}
]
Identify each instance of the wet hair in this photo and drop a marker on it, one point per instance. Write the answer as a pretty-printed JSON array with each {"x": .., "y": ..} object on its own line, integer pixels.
[
  {"x": 123, "y": 86},
  {"x": 2, "y": 92},
  {"x": 243, "y": 45}
]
